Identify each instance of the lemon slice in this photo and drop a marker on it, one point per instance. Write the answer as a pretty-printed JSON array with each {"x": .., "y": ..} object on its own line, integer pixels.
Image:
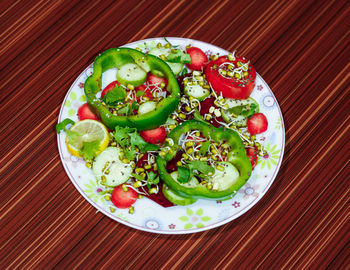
[{"x": 87, "y": 131}]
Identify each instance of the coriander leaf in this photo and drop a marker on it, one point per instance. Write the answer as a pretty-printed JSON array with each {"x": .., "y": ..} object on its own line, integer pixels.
[
  {"x": 89, "y": 149},
  {"x": 134, "y": 106},
  {"x": 137, "y": 140},
  {"x": 152, "y": 179},
  {"x": 118, "y": 93},
  {"x": 197, "y": 116},
  {"x": 130, "y": 154},
  {"x": 184, "y": 72},
  {"x": 204, "y": 148},
  {"x": 63, "y": 125},
  {"x": 183, "y": 175},
  {"x": 200, "y": 166},
  {"x": 140, "y": 93},
  {"x": 121, "y": 135},
  {"x": 150, "y": 147},
  {"x": 138, "y": 177},
  {"x": 178, "y": 56}
]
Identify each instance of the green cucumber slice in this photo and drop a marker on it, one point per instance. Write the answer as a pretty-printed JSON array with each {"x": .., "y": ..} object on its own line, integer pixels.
[
  {"x": 175, "y": 67},
  {"x": 131, "y": 74},
  {"x": 147, "y": 107},
  {"x": 196, "y": 91},
  {"x": 175, "y": 198},
  {"x": 109, "y": 165},
  {"x": 226, "y": 178},
  {"x": 239, "y": 110}
]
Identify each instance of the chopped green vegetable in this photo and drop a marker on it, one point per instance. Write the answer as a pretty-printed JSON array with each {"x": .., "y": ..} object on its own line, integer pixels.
[
  {"x": 117, "y": 94},
  {"x": 184, "y": 175},
  {"x": 137, "y": 176},
  {"x": 89, "y": 149},
  {"x": 152, "y": 179},
  {"x": 204, "y": 148},
  {"x": 63, "y": 125},
  {"x": 140, "y": 93}
]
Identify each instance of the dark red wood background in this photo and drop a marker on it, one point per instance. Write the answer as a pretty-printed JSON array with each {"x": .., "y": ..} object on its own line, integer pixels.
[{"x": 301, "y": 49}]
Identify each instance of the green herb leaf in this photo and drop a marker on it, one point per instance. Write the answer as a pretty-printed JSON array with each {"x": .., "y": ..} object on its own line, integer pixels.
[
  {"x": 152, "y": 179},
  {"x": 140, "y": 93},
  {"x": 197, "y": 116},
  {"x": 134, "y": 106},
  {"x": 178, "y": 56},
  {"x": 118, "y": 93},
  {"x": 138, "y": 177},
  {"x": 130, "y": 154},
  {"x": 183, "y": 174},
  {"x": 200, "y": 166},
  {"x": 204, "y": 148},
  {"x": 89, "y": 149},
  {"x": 121, "y": 135},
  {"x": 63, "y": 125},
  {"x": 137, "y": 140},
  {"x": 184, "y": 72}
]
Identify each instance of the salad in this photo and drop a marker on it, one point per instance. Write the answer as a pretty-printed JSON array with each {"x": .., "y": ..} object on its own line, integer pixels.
[{"x": 174, "y": 126}]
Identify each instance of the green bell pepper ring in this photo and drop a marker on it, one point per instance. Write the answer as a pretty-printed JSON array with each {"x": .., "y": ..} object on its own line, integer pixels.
[
  {"x": 237, "y": 157},
  {"x": 115, "y": 58}
]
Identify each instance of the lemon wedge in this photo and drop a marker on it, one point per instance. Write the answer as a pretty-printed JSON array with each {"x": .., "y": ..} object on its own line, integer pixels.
[{"x": 86, "y": 131}]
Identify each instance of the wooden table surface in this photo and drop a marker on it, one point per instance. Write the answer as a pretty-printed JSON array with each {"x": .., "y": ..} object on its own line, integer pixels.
[{"x": 300, "y": 48}]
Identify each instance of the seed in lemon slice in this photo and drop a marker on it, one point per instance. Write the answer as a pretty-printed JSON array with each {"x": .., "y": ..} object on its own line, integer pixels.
[{"x": 87, "y": 131}]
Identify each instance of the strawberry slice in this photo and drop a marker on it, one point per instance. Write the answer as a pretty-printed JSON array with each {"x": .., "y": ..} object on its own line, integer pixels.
[
  {"x": 109, "y": 88},
  {"x": 154, "y": 136},
  {"x": 198, "y": 59},
  {"x": 257, "y": 124},
  {"x": 84, "y": 112},
  {"x": 153, "y": 81},
  {"x": 252, "y": 154},
  {"x": 123, "y": 199}
]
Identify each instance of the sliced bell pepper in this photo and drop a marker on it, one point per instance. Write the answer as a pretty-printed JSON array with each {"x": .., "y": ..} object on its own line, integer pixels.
[
  {"x": 237, "y": 157},
  {"x": 115, "y": 58}
]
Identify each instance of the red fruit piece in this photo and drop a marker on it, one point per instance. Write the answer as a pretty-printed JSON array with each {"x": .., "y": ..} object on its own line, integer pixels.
[
  {"x": 154, "y": 136},
  {"x": 143, "y": 88},
  {"x": 109, "y": 88},
  {"x": 84, "y": 112},
  {"x": 198, "y": 59},
  {"x": 257, "y": 124},
  {"x": 123, "y": 199},
  {"x": 252, "y": 154},
  {"x": 153, "y": 81}
]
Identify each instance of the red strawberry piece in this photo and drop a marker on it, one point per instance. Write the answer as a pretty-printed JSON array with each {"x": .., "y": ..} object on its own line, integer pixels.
[
  {"x": 123, "y": 199},
  {"x": 154, "y": 136},
  {"x": 109, "y": 88},
  {"x": 198, "y": 59},
  {"x": 257, "y": 124},
  {"x": 84, "y": 112},
  {"x": 252, "y": 154},
  {"x": 153, "y": 81},
  {"x": 147, "y": 91}
]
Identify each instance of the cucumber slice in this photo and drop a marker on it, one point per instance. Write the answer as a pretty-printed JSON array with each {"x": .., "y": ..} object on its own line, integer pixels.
[
  {"x": 109, "y": 160},
  {"x": 175, "y": 198},
  {"x": 147, "y": 107},
  {"x": 175, "y": 67},
  {"x": 131, "y": 74},
  {"x": 196, "y": 91},
  {"x": 239, "y": 110},
  {"x": 224, "y": 179}
]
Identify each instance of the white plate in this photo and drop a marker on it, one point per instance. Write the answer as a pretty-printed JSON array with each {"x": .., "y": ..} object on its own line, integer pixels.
[{"x": 202, "y": 215}]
